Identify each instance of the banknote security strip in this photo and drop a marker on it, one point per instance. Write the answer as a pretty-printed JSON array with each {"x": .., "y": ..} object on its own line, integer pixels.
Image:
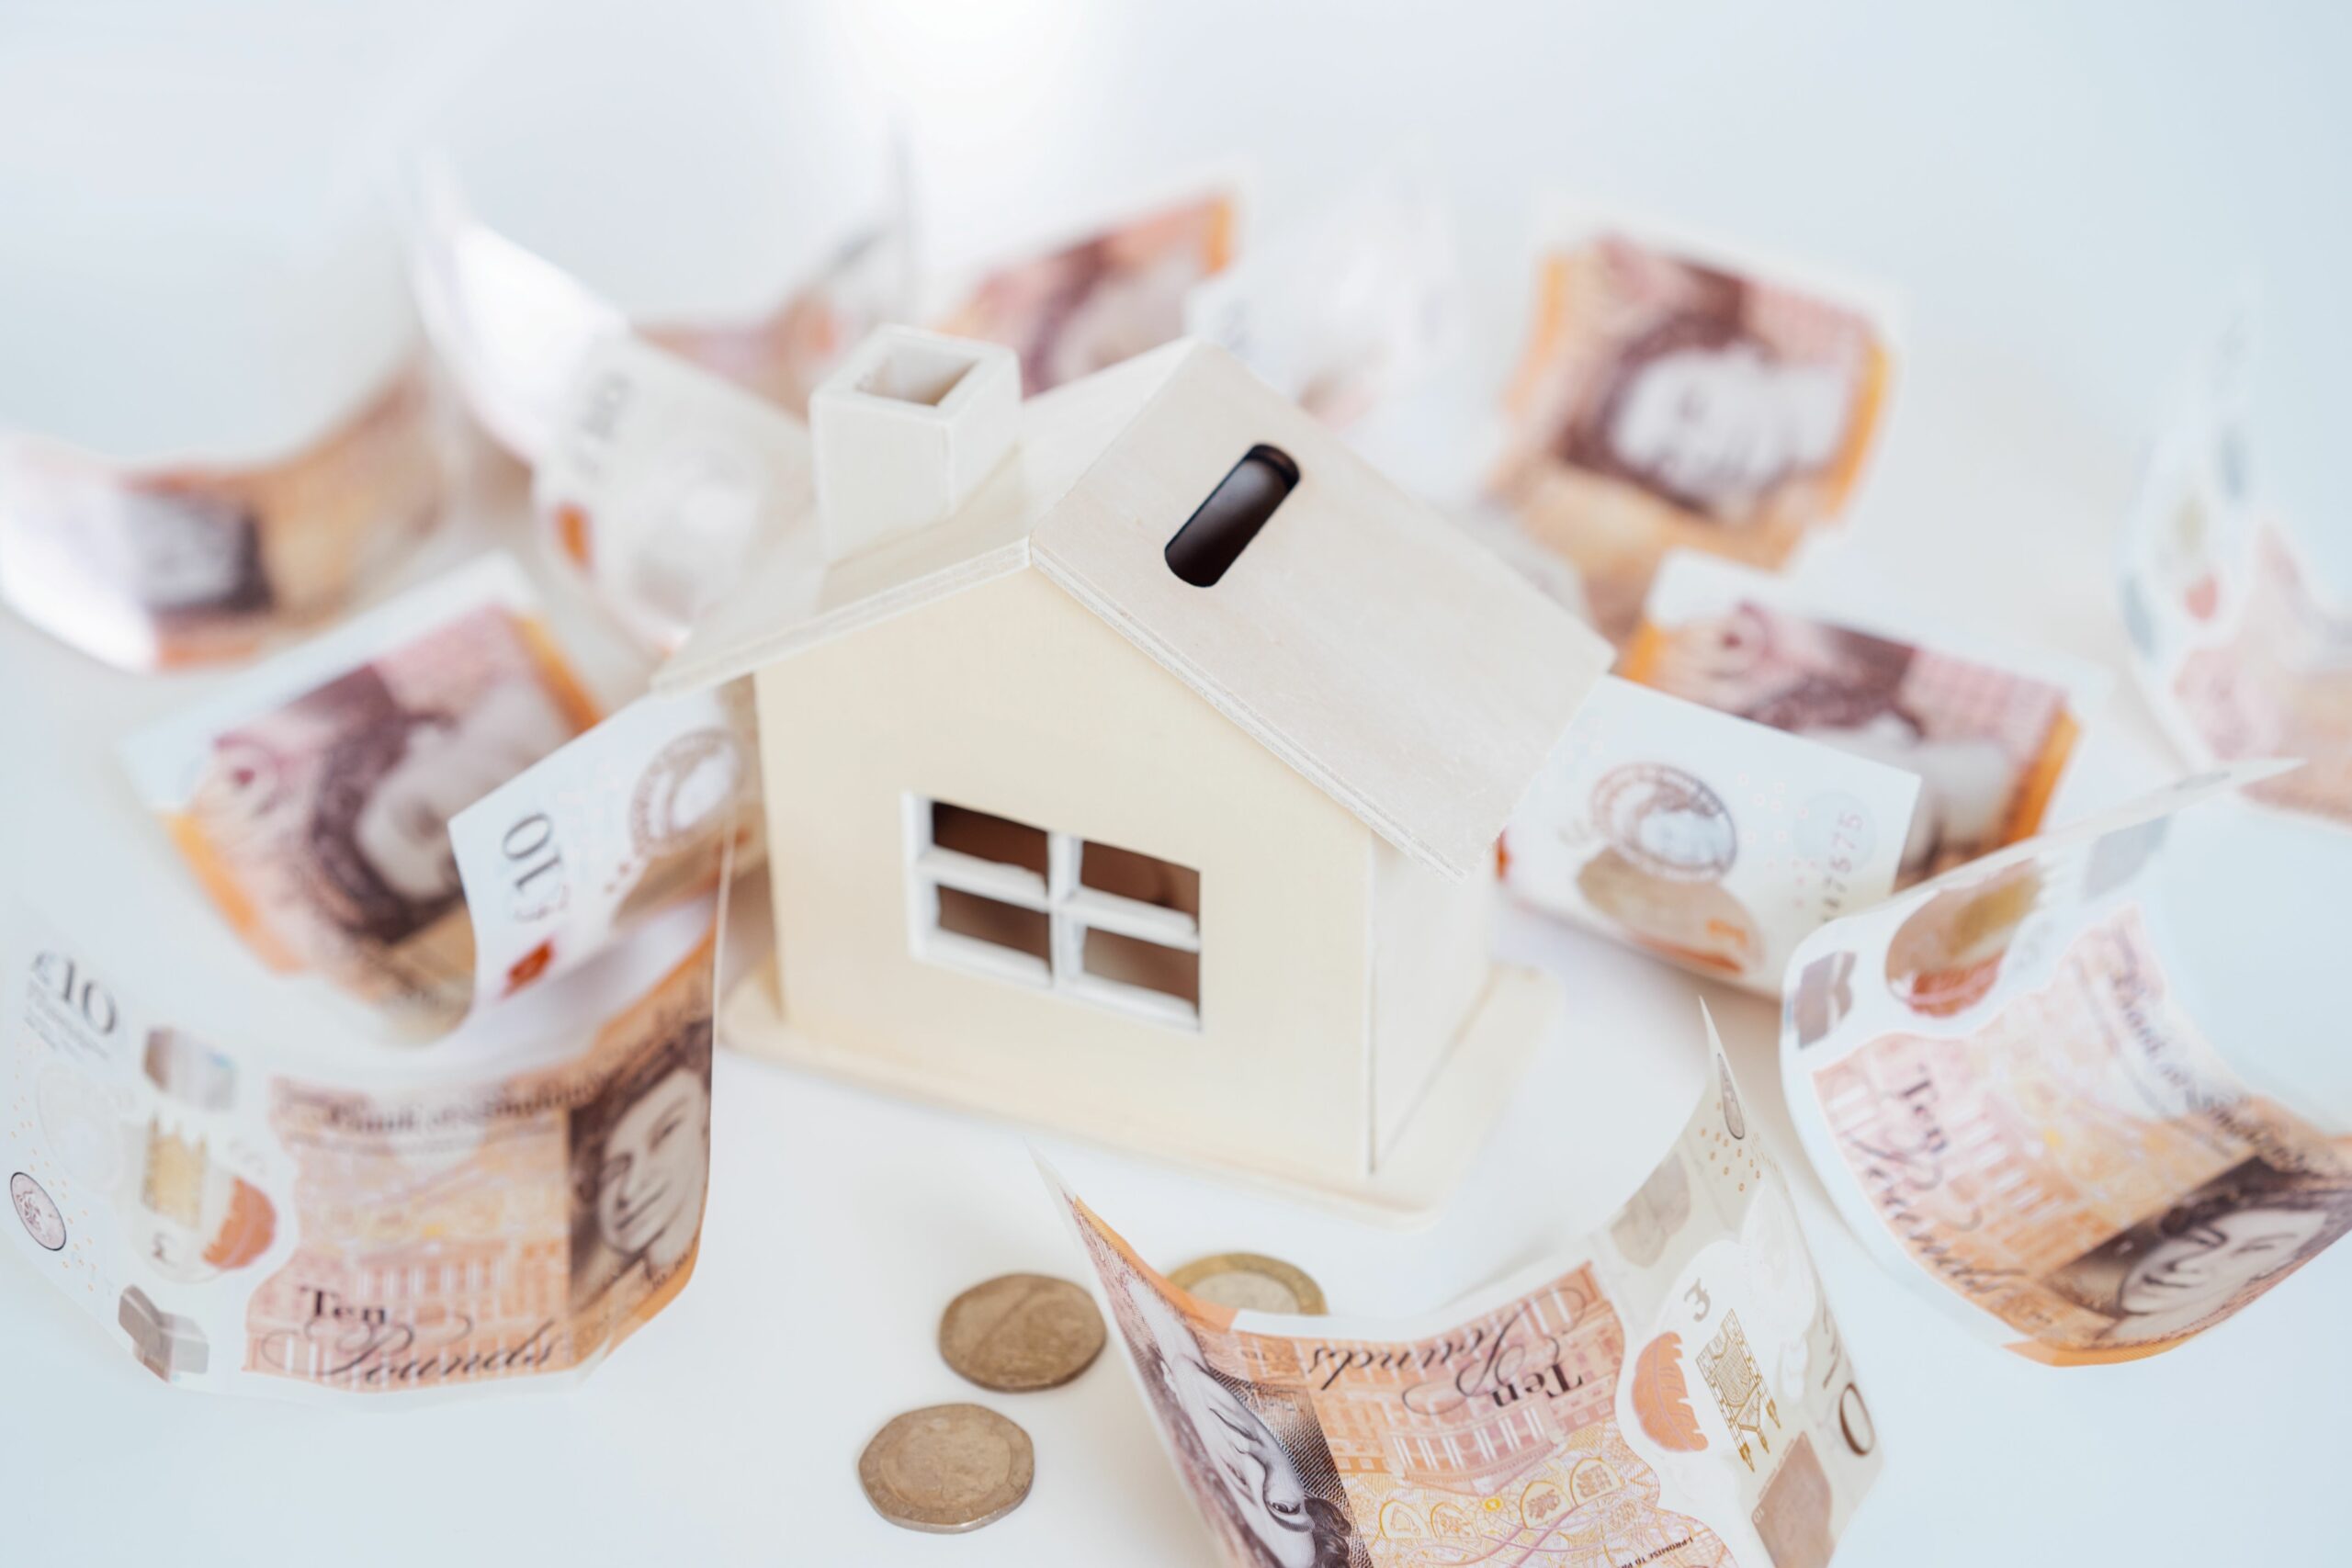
[
  {"x": 1671, "y": 1389},
  {"x": 2007, "y": 1081},
  {"x": 318, "y": 1223},
  {"x": 166, "y": 568}
]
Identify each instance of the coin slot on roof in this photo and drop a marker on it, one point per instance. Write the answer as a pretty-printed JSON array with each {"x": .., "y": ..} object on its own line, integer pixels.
[{"x": 1213, "y": 538}]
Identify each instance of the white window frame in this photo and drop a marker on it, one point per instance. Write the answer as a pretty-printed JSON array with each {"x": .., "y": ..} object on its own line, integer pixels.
[{"x": 1071, "y": 910}]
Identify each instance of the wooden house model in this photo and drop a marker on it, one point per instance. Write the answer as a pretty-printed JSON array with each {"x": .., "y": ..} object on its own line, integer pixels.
[{"x": 1134, "y": 761}]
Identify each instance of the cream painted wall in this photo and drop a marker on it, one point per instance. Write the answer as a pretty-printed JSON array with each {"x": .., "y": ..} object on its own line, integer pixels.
[
  {"x": 1013, "y": 699},
  {"x": 1431, "y": 965}
]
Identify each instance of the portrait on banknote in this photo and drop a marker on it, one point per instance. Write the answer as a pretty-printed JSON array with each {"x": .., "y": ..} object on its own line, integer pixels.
[
  {"x": 1108, "y": 296},
  {"x": 640, "y": 1160},
  {"x": 167, "y": 567},
  {"x": 1988, "y": 739},
  {"x": 2207, "y": 1253},
  {"x": 2003, "y": 1085},
  {"x": 1665, "y": 399},
  {"x": 528, "y": 1221},
  {"x": 1671, "y": 1389},
  {"x": 1253, "y": 1456},
  {"x": 314, "y": 804}
]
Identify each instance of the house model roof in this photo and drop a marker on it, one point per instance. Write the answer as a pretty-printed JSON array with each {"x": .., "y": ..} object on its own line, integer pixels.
[{"x": 1404, "y": 670}]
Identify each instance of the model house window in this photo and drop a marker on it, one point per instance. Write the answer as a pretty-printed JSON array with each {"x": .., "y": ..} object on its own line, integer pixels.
[{"x": 1093, "y": 921}]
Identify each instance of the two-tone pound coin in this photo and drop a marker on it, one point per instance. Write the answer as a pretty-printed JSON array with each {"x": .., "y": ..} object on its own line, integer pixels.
[{"x": 1251, "y": 1282}]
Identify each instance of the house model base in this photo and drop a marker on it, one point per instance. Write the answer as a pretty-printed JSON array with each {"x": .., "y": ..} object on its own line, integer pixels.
[
  {"x": 1132, "y": 760},
  {"x": 1408, "y": 1185}
]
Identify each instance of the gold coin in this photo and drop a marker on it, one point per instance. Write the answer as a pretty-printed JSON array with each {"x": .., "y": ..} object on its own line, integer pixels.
[
  {"x": 1251, "y": 1282},
  {"x": 1018, "y": 1333},
  {"x": 947, "y": 1468}
]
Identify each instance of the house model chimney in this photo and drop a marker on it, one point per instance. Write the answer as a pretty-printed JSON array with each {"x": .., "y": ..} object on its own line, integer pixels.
[{"x": 905, "y": 430}]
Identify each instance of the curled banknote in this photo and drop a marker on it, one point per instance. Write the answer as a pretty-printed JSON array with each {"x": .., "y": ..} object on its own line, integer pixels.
[
  {"x": 1989, "y": 735},
  {"x": 158, "y": 568},
  {"x": 1703, "y": 838},
  {"x": 659, "y": 483},
  {"x": 1343, "y": 310},
  {"x": 514, "y": 329},
  {"x": 646, "y": 810},
  {"x": 781, "y": 356},
  {"x": 2000, "y": 1077},
  {"x": 1105, "y": 297},
  {"x": 2238, "y": 649},
  {"x": 310, "y": 1223},
  {"x": 313, "y": 797},
  {"x": 1671, "y": 1390},
  {"x": 1671, "y": 396}
]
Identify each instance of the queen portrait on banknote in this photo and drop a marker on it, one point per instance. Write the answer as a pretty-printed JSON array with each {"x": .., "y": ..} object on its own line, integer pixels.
[
  {"x": 640, "y": 1162},
  {"x": 2197, "y": 1261},
  {"x": 1665, "y": 399},
  {"x": 1255, "y": 1461}
]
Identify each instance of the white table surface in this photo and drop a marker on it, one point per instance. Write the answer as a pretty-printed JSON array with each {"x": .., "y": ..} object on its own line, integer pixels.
[{"x": 2065, "y": 200}]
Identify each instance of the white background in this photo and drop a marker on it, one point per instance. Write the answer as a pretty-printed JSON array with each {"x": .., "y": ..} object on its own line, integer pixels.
[{"x": 2065, "y": 201}]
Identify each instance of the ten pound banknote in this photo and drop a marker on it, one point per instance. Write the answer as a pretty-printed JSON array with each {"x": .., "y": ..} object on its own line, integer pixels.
[
  {"x": 1989, "y": 735},
  {"x": 314, "y": 1223},
  {"x": 1108, "y": 295},
  {"x": 1347, "y": 308},
  {"x": 659, "y": 481},
  {"x": 2000, "y": 1084},
  {"x": 1668, "y": 397},
  {"x": 2238, "y": 649},
  {"x": 650, "y": 808},
  {"x": 419, "y": 810},
  {"x": 1673, "y": 1392},
  {"x": 162, "y": 568},
  {"x": 1703, "y": 838},
  {"x": 312, "y": 797},
  {"x": 514, "y": 329}
]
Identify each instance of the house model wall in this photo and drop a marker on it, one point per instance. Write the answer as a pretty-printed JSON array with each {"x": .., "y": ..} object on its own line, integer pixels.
[{"x": 1134, "y": 758}]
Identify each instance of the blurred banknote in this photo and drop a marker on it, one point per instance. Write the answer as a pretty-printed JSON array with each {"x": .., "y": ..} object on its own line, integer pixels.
[
  {"x": 780, "y": 356},
  {"x": 1998, "y": 1079},
  {"x": 1988, "y": 735},
  {"x": 2239, "y": 650},
  {"x": 313, "y": 797},
  {"x": 1667, "y": 398},
  {"x": 1671, "y": 1390},
  {"x": 516, "y": 329},
  {"x": 260, "y": 1224},
  {"x": 627, "y": 819},
  {"x": 510, "y": 325},
  {"x": 1343, "y": 311},
  {"x": 165, "y": 568},
  {"x": 1703, "y": 838},
  {"x": 1107, "y": 297},
  {"x": 659, "y": 481}
]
